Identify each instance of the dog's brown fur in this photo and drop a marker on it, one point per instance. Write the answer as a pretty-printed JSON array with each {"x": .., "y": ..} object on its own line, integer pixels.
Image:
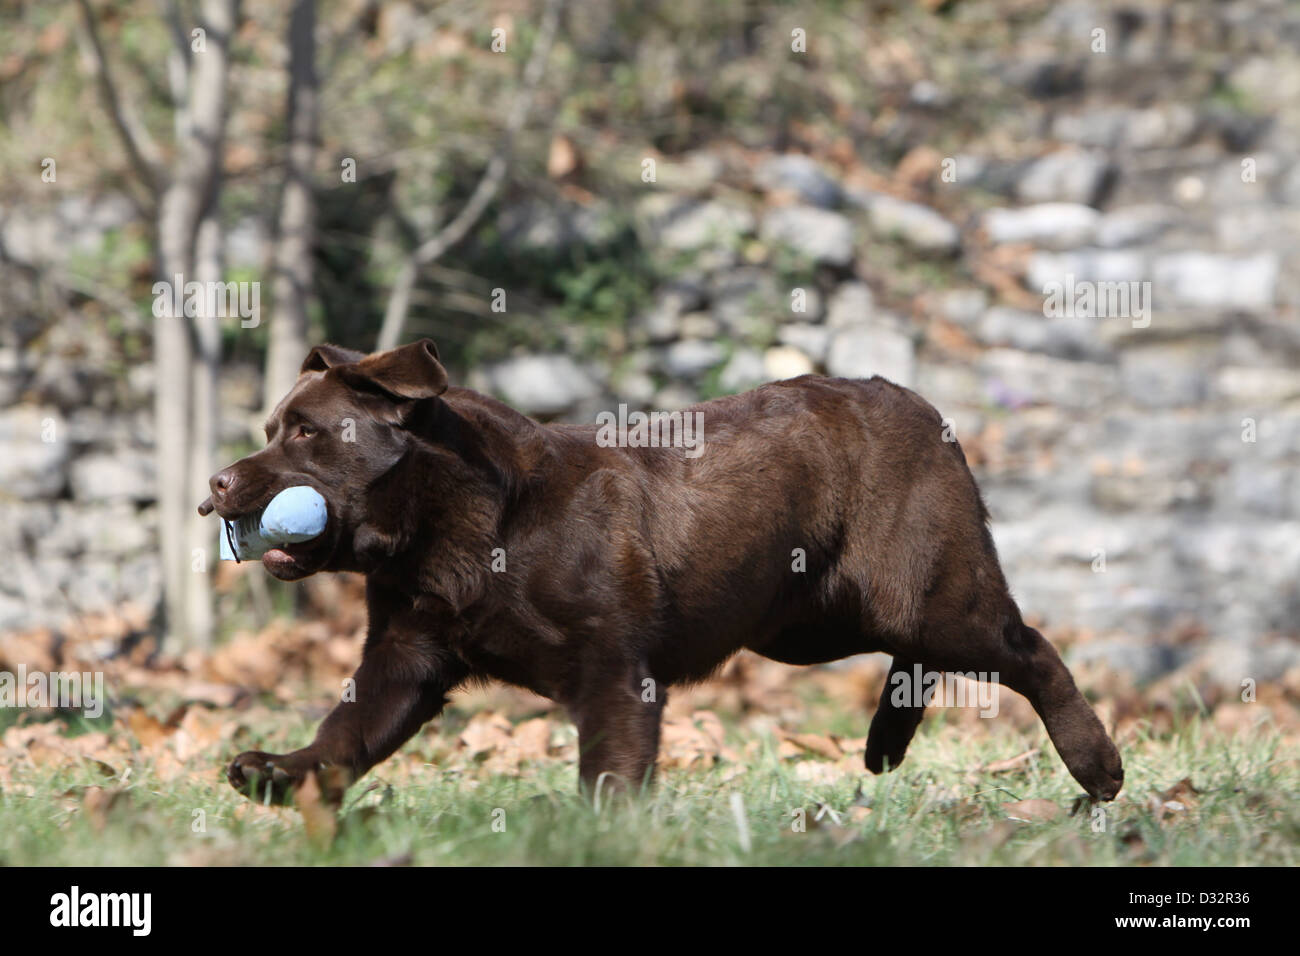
[{"x": 629, "y": 570}]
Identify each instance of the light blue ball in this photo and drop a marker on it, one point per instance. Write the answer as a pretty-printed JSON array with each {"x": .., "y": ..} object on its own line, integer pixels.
[{"x": 294, "y": 515}]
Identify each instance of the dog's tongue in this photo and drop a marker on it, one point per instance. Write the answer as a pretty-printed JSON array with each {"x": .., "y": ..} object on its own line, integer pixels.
[{"x": 277, "y": 558}]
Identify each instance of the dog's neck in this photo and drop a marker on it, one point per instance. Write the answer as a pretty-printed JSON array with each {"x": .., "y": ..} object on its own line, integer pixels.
[{"x": 470, "y": 467}]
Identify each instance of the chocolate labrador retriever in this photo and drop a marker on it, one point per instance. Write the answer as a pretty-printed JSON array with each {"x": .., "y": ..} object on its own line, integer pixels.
[{"x": 819, "y": 518}]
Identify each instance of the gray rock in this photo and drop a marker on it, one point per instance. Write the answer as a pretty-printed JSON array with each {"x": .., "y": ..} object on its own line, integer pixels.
[
  {"x": 784, "y": 361},
  {"x": 813, "y": 306},
  {"x": 1068, "y": 175},
  {"x": 743, "y": 370},
  {"x": 544, "y": 226},
  {"x": 802, "y": 175},
  {"x": 746, "y": 301},
  {"x": 852, "y": 303},
  {"x": 1161, "y": 127},
  {"x": 700, "y": 325},
  {"x": 635, "y": 388},
  {"x": 15, "y": 615},
  {"x": 1085, "y": 265},
  {"x": 813, "y": 340},
  {"x": 1133, "y": 225},
  {"x": 864, "y": 351},
  {"x": 1062, "y": 336},
  {"x": 915, "y": 224},
  {"x": 962, "y": 306},
  {"x": 675, "y": 396},
  {"x": 1055, "y": 225},
  {"x": 24, "y": 523},
  {"x": 928, "y": 94},
  {"x": 1014, "y": 379},
  {"x": 1210, "y": 281},
  {"x": 12, "y": 374},
  {"x": 114, "y": 530},
  {"x": 1257, "y": 385},
  {"x": 692, "y": 357},
  {"x": 694, "y": 172},
  {"x": 816, "y": 234},
  {"x": 1166, "y": 376},
  {"x": 128, "y": 474},
  {"x": 31, "y": 466},
  {"x": 686, "y": 225},
  {"x": 948, "y": 387},
  {"x": 1261, "y": 491},
  {"x": 63, "y": 382},
  {"x": 661, "y": 320},
  {"x": 542, "y": 384}
]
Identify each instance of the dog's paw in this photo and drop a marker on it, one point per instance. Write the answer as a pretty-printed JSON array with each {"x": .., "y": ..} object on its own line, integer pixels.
[
  {"x": 268, "y": 778},
  {"x": 1103, "y": 775},
  {"x": 882, "y": 756}
]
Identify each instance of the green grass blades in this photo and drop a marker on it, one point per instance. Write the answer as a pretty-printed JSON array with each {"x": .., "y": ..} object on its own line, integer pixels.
[{"x": 1193, "y": 796}]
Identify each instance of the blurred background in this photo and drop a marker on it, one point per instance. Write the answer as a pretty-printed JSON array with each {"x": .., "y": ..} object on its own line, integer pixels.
[{"x": 657, "y": 203}]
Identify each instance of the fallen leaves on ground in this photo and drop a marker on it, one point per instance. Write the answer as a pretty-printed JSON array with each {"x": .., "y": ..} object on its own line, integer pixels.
[{"x": 1032, "y": 811}]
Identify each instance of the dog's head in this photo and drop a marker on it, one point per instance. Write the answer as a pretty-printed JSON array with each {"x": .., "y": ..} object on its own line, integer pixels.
[{"x": 342, "y": 427}]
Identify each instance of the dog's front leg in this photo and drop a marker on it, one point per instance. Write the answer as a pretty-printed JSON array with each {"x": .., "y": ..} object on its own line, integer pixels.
[
  {"x": 402, "y": 683},
  {"x": 618, "y": 718}
]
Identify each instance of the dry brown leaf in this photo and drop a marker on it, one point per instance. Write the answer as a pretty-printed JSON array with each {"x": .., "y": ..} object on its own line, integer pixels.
[
  {"x": 97, "y": 801},
  {"x": 1032, "y": 811},
  {"x": 815, "y": 743},
  {"x": 199, "y": 730},
  {"x": 486, "y": 732},
  {"x": 207, "y": 692},
  {"x": 818, "y": 772},
  {"x": 167, "y": 766},
  {"x": 531, "y": 740},
  {"x": 106, "y": 769},
  {"x": 319, "y": 818},
  {"x": 563, "y": 158},
  {"x": 1011, "y": 763},
  {"x": 146, "y": 729},
  {"x": 43, "y": 754},
  {"x": 1172, "y": 803},
  {"x": 683, "y": 743},
  {"x": 1184, "y": 791}
]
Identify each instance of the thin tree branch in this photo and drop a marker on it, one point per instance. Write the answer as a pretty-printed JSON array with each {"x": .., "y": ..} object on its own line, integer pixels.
[
  {"x": 399, "y": 300},
  {"x": 140, "y": 149}
]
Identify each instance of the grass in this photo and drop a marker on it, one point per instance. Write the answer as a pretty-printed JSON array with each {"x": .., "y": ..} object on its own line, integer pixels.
[{"x": 937, "y": 809}]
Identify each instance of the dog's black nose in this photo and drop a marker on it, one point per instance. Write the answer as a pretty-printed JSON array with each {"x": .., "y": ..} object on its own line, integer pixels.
[{"x": 223, "y": 485}]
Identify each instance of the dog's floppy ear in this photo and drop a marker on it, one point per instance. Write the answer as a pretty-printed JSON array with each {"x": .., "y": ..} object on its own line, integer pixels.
[
  {"x": 411, "y": 372},
  {"x": 327, "y": 356}
]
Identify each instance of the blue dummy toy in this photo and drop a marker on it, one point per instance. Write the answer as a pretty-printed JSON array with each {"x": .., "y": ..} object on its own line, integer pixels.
[{"x": 294, "y": 515}]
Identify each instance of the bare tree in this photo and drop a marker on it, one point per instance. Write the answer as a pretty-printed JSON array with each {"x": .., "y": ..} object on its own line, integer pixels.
[
  {"x": 296, "y": 227},
  {"x": 429, "y": 251},
  {"x": 183, "y": 205}
]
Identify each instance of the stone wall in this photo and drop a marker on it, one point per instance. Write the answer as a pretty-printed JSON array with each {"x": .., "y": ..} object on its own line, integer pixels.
[{"x": 1141, "y": 469}]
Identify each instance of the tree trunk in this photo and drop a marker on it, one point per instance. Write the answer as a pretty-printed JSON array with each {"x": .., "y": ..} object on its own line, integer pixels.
[
  {"x": 187, "y": 350},
  {"x": 205, "y": 419},
  {"x": 296, "y": 228}
]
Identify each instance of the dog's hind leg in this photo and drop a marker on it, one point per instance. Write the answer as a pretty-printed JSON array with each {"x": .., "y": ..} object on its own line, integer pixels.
[
  {"x": 895, "y": 721},
  {"x": 1019, "y": 657},
  {"x": 1035, "y": 670}
]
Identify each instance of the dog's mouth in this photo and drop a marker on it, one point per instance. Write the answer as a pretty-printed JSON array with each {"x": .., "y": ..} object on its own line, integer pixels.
[
  {"x": 232, "y": 514},
  {"x": 286, "y": 561},
  {"x": 294, "y": 560}
]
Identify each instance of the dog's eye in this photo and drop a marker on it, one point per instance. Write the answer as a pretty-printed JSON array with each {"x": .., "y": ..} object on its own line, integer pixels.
[{"x": 305, "y": 431}]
